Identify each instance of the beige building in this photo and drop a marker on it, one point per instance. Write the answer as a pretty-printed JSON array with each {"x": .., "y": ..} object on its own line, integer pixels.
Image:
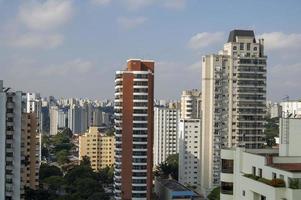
[
  {"x": 191, "y": 104},
  {"x": 31, "y": 150},
  {"x": 233, "y": 100},
  {"x": 98, "y": 147}
]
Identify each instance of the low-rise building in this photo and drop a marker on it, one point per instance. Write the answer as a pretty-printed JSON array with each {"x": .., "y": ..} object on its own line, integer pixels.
[
  {"x": 168, "y": 189},
  {"x": 265, "y": 174},
  {"x": 99, "y": 147}
]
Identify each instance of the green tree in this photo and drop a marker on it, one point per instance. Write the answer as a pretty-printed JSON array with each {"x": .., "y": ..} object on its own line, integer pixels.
[
  {"x": 214, "y": 194},
  {"x": 48, "y": 171},
  {"x": 106, "y": 175},
  {"x": 85, "y": 161},
  {"x": 271, "y": 131},
  {"x": 168, "y": 168},
  {"x": 54, "y": 183},
  {"x": 62, "y": 157}
]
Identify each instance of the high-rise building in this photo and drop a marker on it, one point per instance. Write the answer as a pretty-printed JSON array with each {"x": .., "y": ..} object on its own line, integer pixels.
[
  {"x": 77, "y": 119},
  {"x": 31, "y": 150},
  {"x": 134, "y": 100},
  {"x": 190, "y": 153},
  {"x": 54, "y": 119},
  {"x": 19, "y": 145},
  {"x": 166, "y": 121},
  {"x": 99, "y": 147},
  {"x": 189, "y": 139},
  {"x": 233, "y": 100},
  {"x": 191, "y": 104}
]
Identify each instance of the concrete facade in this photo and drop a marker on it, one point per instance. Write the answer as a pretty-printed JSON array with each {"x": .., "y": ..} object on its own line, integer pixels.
[
  {"x": 233, "y": 101},
  {"x": 252, "y": 173},
  {"x": 134, "y": 118},
  {"x": 165, "y": 133},
  {"x": 99, "y": 147}
]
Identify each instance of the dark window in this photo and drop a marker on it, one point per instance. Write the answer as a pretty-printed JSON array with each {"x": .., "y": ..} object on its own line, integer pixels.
[
  {"x": 260, "y": 173},
  {"x": 226, "y": 188},
  {"x": 241, "y": 46},
  {"x": 254, "y": 171},
  {"x": 227, "y": 166},
  {"x": 248, "y": 46}
]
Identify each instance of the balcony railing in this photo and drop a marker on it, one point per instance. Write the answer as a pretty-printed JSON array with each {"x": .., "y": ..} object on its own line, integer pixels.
[{"x": 274, "y": 182}]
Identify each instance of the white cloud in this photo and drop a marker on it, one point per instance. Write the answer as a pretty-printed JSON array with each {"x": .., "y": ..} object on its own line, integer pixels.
[
  {"x": 175, "y": 4},
  {"x": 101, "y": 2},
  {"x": 77, "y": 66},
  {"x": 130, "y": 23},
  {"x": 138, "y": 4},
  {"x": 205, "y": 39},
  {"x": 33, "y": 40},
  {"x": 281, "y": 41},
  {"x": 45, "y": 15}
]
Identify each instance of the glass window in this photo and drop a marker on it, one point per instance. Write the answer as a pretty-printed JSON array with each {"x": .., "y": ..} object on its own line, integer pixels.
[
  {"x": 248, "y": 46},
  {"x": 241, "y": 46}
]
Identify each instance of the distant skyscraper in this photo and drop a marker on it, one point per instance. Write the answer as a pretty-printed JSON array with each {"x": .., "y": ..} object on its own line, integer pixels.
[
  {"x": 233, "y": 100},
  {"x": 54, "y": 119},
  {"x": 165, "y": 133},
  {"x": 191, "y": 104},
  {"x": 134, "y": 100}
]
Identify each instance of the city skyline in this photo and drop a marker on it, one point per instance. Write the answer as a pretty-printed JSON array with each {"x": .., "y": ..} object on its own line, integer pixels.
[{"x": 80, "y": 44}]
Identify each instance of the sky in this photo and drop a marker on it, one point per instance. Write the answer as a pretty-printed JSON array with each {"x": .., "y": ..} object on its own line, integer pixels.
[{"x": 72, "y": 48}]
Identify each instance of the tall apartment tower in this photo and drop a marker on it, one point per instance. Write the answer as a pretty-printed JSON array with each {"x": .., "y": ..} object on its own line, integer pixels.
[
  {"x": 165, "y": 133},
  {"x": 134, "y": 101},
  {"x": 189, "y": 139},
  {"x": 233, "y": 100},
  {"x": 19, "y": 145}
]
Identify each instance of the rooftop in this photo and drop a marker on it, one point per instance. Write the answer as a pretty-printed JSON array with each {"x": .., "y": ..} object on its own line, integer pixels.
[
  {"x": 173, "y": 185},
  {"x": 291, "y": 167},
  {"x": 243, "y": 33}
]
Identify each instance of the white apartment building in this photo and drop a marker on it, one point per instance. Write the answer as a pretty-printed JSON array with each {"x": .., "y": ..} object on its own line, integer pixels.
[
  {"x": 191, "y": 104},
  {"x": 165, "y": 133},
  {"x": 291, "y": 108},
  {"x": 275, "y": 110},
  {"x": 233, "y": 101},
  {"x": 265, "y": 174},
  {"x": 190, "y": 152},
  {"x": 54, "y": 118},
  {"x": 19, "y": 145}
]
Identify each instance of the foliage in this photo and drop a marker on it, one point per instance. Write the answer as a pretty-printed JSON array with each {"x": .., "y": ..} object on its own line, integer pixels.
[
  {"x": 106, "y": 175},
  {"x": 168, "y": 168},
  {"x": 294, "y": 183},
  {"x": 79, "y": 183},
  {"x": 110, "y": 132},
  {"x": 39, "y": 194},
  {"x": 62, "y": 157},
  {"x": 271, "y": 131},
  {"x": 48, "y": 171},
  {"x": 274, "y": 182},
  {"x": 214, "y": 194},
  {"x": 54, "y": 183},
  {"x": 85, "y": 161}
]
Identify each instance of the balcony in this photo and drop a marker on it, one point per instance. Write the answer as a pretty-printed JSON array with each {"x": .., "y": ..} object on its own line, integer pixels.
[{"x": 278, "y": 183}]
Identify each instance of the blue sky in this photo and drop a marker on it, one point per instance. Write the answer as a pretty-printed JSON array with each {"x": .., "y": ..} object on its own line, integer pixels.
[{"x": 71, "y": 48}]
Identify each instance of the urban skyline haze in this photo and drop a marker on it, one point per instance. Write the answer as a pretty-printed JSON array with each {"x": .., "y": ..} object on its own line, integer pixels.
[{"x": 75, "y": 46}]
